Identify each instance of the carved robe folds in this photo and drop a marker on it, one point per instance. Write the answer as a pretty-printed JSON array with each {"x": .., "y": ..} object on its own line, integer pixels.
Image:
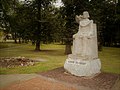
[{"x": 85, "y": 41}]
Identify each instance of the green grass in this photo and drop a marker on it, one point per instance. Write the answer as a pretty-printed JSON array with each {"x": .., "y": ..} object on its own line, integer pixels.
[
  {"x": 7, "y": 45},
  {"x": 54, "y": 54},
  {"x": 110, "y": 59}
]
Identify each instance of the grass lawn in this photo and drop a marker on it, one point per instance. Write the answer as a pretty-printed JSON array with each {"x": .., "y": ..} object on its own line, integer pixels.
[
  {"x": 54, "y": 54},
  {"x": 110, "y": 59},
  {"x": 8, "y": 45}
]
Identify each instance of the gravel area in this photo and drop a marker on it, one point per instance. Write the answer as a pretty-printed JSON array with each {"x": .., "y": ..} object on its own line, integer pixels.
[
  {"x": 102, "y": 81},
  {"x": 58, "y": 79}
]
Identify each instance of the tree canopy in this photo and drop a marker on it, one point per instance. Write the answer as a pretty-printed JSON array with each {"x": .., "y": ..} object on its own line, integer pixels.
[{"x": 40, "y": 21}]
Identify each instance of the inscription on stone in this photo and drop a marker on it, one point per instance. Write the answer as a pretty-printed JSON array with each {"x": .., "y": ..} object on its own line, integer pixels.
[
  {"x": 70, "y": 61},
  {"x": 77, "y": 62}
]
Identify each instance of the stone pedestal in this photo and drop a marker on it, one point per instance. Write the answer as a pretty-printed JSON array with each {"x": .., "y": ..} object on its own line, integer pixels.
[{"x": 81, "y": 67}]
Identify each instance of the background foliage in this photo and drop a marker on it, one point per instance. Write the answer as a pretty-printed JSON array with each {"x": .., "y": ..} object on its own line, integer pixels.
[{"x": 40, "y": 21}]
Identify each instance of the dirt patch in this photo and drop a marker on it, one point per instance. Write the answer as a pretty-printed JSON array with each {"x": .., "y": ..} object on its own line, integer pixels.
[
  {"x": 10, "y": 62},
  {"x": 103, "y": 81}
]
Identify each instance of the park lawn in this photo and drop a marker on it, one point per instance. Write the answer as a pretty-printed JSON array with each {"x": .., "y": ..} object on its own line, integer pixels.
[
  {"x": 8, "y": 45},
  {"x": 110, "y": 59},
  {"x": 54, "y": 54}
]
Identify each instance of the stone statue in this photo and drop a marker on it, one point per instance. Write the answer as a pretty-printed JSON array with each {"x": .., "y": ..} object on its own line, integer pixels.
[
  {"x": 84, "y": 42},
  {"x": 84, "y": 48}
]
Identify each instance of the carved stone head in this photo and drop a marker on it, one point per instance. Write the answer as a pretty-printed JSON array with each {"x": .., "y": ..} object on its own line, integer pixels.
[{"x": 86, "y": 14}]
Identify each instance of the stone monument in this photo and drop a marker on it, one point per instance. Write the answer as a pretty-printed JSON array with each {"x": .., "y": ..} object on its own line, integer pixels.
[{"x": 84, "y": 59}]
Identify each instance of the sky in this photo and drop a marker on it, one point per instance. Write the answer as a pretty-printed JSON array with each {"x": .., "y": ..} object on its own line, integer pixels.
[{"x": 57, "y": 4}]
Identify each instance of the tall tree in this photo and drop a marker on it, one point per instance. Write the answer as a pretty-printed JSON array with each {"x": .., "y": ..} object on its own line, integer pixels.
[
  {"x": 105, "y": 14},
  {"x": 41, "y": 5},
  {"x": 8, "y": 9},
  {"x": 70, "y": 9}
]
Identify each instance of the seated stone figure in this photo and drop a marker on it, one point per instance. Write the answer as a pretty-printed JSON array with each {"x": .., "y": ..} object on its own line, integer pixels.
[
  {"x": 84, "y": 59},
  {"x": 85, "y": 40}
]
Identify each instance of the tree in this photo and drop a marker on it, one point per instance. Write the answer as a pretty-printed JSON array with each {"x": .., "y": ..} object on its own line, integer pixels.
[
  {"x": 41, "y": 5},
  {"x": 105, "y": 17},
  {"x": 38, "y": 25},
  {"x": 101, "y": 11},
  {"x": 70, "y": 9},
  {"x": 9, "y": 15}
]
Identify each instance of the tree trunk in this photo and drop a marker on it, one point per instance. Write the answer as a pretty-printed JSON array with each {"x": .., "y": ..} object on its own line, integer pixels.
[
  {"x": 33, "y": 42},
  {"x": 68, "y": 49},
  {"x": 19, "y": 40},
  {"x": 100, "y": 43},
  {"x": 23, "y": 41},
  {"x": 37, "y": 48},
  {"x": 15, "y": 38},
  {"x": 99, "y": 46}
]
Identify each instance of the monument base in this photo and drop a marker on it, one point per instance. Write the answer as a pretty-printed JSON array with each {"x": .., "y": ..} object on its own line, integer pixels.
[{"x": 81, "y": 67}]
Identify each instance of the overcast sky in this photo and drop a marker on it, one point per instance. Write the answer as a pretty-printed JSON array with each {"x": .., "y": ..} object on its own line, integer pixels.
[{"x": 57, "y": 4}]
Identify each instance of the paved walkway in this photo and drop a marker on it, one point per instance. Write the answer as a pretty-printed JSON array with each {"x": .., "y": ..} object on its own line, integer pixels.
[
  {"x": 31, "y": 82},
  {"x": 38, "y": 82},
  {"x": 6, "y": 80}
]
